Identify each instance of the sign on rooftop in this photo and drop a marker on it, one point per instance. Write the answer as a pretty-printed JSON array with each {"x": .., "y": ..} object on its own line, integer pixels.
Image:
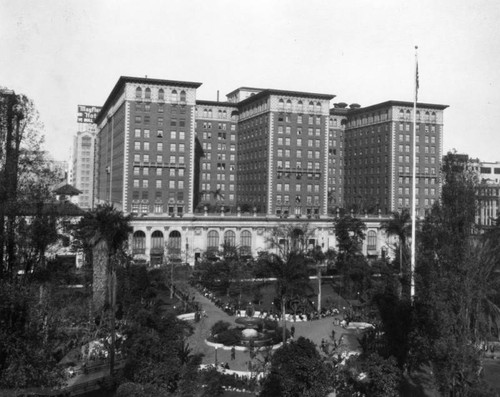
[{"x": 88, "y": 114}]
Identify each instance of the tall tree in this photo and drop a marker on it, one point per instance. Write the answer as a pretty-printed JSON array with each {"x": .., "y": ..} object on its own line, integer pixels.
[
  {"x": 106, "y": 229},
  {"x": 451, "y": 285},
  {"x": 400, "y": 225},
  {"x": 297, "y": 369},
  {"x": 20, "y": 140},
  {"x": 289, "y": 264},
  {"x": 350, "y": 233}
]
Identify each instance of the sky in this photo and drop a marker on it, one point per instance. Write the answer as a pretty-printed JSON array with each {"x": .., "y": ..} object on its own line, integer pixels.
[{"x": 63, "y": 53}]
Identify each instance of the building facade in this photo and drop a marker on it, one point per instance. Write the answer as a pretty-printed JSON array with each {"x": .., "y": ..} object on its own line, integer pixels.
[
  {"x": 378, "y": 156},
  {"x": 196, "y": 174},
  {"x": 146, "y": 144}
]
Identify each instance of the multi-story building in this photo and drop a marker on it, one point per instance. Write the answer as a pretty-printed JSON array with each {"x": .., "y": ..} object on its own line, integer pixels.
[
  {"x": 82, "y": 159},
  {"x": 81, "y": 175},
  {"x": 260, "y": 157},
  {"x": 378, "y": 156},
  {"x": 146, "y": 140},
  {"x": 488, "y": 174}
]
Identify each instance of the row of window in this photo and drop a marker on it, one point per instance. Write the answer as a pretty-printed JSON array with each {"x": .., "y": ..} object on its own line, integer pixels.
[
  {"x": 298, "y": 106},
  {"x": 221, "y": 136},
  {"x": 146, "y": 134},
  {"x": 220, "y": 146},
  {"x": 172, "y": 184},
  {"x": 220, "y": 166},
  {"x": 406, "y": 137},
  {"x": 426, "y": 181},
  {"x": 174, "y": 95},
  {"x": 406, "y": 202},
  {"x": 209, "y": 196},
  {"x": 174, "y": 147},
  {"x": 298, "y": 187},
  {"x": 406, "y": 159},
  {"x": 298, "y": 165},
  {"x": 157, "y": 208},
  {"x": 288, "y": 130},
  {"x": 180, "y": 160},
  {"x": 159, "y": 171},
  {"x": 407, "y": 127},
  {"x": 159, "y": 195},
  {"x": 406, "y": 170},
  {"x": 219, "y": 177}
]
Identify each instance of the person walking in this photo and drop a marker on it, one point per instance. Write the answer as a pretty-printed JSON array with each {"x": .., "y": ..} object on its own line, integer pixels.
[
  {"x": 292, "y": 331},
  {"x": 233, "y": 353}
]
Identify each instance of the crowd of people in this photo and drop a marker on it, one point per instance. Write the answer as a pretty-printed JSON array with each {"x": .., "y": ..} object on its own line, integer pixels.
[{"x": 234, "y": 309}]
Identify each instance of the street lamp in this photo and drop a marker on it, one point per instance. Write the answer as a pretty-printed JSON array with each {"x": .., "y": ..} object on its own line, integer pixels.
[{"x": 216, "y": 356}]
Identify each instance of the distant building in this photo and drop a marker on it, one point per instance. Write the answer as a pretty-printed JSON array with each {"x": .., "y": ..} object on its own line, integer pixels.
[
  {"x": 82, "y": 159},
  {"x": 488, "y": 174}
]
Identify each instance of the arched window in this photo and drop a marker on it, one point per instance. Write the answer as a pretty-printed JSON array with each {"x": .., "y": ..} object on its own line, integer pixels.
[
  {"x": 281, "y": 105},
  {"x": 433, "y": 117},
  {"x": 401, "y": 114},
  {"x": 213, "y": 239},
  {"x": 147, "y": 93},
  {"x": 408, "y": 115},
  {"x": 371, "y": 238},
  {"x": 318, "y": 106},
  {"x": 174, "y": 243},
  {"x": 230, "y": 238},
  {"x": 139, "y": 242},
  {"x": 427, "y": 116},
  {"x": 138, "y": 92},
  {"x": 311, "y": 107},
  {"x": 183, "y": 96},
  {"x": 173, "y": 97},
  {"x": 289, "y": 105},
  {"x": 418, "y": 114},
  {"x": 161, "y": 94},
  {"x": 300, "y": 107},
  {"x": 297, "y": 237},
  {"x": 157, "y": 240},
  {"x": 246, "y": 242}
]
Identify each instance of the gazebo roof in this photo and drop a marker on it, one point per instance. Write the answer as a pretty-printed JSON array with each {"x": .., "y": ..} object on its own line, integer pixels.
[{"x": 67, "y": 190}]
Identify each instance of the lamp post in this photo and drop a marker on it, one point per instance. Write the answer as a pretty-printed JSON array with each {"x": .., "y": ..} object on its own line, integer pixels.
[{"x": 216, "y": 356}]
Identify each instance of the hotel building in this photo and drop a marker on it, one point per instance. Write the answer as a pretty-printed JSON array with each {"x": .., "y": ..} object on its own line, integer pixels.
[{"x": 235, "y": 170}]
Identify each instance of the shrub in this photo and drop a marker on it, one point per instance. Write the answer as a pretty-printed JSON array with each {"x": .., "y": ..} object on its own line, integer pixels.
[
  {"x": 229, "y": 337},
  {"x": 219, "y": 327}
]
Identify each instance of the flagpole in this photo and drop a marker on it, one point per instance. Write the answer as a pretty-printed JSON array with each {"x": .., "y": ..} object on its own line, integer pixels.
[{"x": 414, "y": 183}]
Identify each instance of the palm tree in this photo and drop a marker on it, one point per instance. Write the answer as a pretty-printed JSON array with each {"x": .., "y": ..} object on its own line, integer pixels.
[
  {"x": 292, "y": 279},
  {"x": 400, "y": 226},
  {"x": 105, "y": 230}
]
